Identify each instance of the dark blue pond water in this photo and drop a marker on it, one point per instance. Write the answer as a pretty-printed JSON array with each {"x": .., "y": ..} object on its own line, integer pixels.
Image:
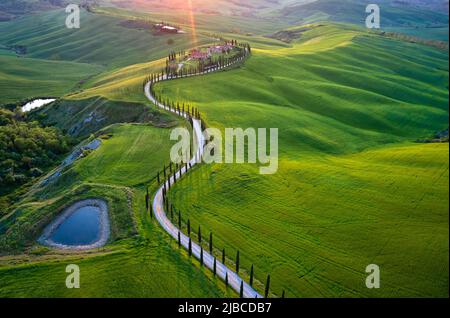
[{"x": 82, "y": 227}]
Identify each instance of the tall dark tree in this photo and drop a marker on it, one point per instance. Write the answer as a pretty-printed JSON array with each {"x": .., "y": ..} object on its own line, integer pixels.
[
  {"x": 190, "y": 246},
  {"x": 266, "y": 293},
  {"x": 283, "y": 294},
  {"x": 226, "y": 279},
  {"x": 241, "y": 292},
  {"x": 199, "y": 234},
  {"x": 179, "y": 219},
  {"x": 146, "y": 202},
  {"x": 179, "y": 239},
  {"x": 237, "y": 262},
  {"x": 189, "y": 227},
  {"x": 210, "y": 242},
  {"x": 223, "y": 256},
  {"x": 214, "y": 266},
  {"x": 201, "y": 256},
  {"x": 251, "y": 276}
]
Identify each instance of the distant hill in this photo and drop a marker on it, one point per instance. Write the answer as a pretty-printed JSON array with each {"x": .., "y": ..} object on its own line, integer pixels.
[
  {"x": 394, "y": 13},
  {"x": 437, "y": 5},
  {"x": 227, "y": 7},
  {"x": 9, "y": 9},
  {"x": 425, "y": 19}
]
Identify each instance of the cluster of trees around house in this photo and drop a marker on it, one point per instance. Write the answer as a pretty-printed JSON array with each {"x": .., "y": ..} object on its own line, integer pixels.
[
  {"x": 203, "y": 65},
  {"x": 26, "y": 149}
]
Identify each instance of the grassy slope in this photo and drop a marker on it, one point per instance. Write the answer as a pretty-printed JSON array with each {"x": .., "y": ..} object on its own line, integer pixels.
[
  {"x": 417, "y": 21},
  {"x": 353, "y": 11},
  {"x": 143, "y": 265},
  {"x": 24, "y": 78},
  {"x": 46, "y": 37},
  {"x": 343, "y": 198}
]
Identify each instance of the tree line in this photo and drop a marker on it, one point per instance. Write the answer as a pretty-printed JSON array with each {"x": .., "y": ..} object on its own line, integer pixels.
[
  {"x": 27, "y": 150},
  {"x": 168, "y": 179}
]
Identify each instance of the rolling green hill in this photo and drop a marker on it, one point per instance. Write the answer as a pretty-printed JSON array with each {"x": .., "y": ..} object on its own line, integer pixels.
[
  {"x": 25, "y": 78},
  {"x": 100, "y": 40},
  {"x": 427, "y": 20},
  {"x": 352, "y": 188},
  {"x": 141, "y": 260},
  {"x": 393, "y": 13}
]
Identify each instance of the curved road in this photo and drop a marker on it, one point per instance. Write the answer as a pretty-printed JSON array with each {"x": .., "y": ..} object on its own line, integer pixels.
[{"x": 234, "y": 280}]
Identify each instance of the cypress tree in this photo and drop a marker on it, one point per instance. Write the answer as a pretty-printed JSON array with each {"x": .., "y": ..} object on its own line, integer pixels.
[
  {"x": 189, "y": 227},
  {"x": 210, "y": 242},
  {"x": 251, "y": 276},
  {"x": 214, "y": 266},
  {"x": 283, "y": 294},
  {"x": 146, "y": 202},
  {"x": 201, "y": 256},
  {"x": 241, "y": 293},
  {"x": 226, "y": 279},
  {"x": 157, "y": 176},
  {"x": 151, "y": 211},
  {"x": 199, "y": 235},
  {"x": 223, "y": 256},
  {"x": 266, "y": 293},
  {"x": 237, "y": 262},
  {"x": 179, "y": 239},
  {"x": 179, "y": 219},
  {"x": 190, "y": 247}
]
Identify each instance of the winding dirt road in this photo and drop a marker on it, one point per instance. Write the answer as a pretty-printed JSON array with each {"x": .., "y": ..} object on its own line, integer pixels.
[{"x": 234, "y": 280}]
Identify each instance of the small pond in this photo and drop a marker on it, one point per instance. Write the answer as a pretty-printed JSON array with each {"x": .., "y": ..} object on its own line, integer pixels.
[
  {"x": 83, "y": 225},
  {"x": 37, "y": 103}
]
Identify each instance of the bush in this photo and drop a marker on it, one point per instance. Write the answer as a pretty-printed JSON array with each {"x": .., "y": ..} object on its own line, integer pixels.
[{"x": 26, "y": 149}]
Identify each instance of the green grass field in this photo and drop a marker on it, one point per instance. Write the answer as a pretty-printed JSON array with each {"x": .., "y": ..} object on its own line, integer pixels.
[
  {"x": 26, "y": 78},
  {"x": 113, "y": 45},
  {"x": 141, "y": 260},
  {"x": 59, "y": 60},
  {"x": 352, "y": 188}
]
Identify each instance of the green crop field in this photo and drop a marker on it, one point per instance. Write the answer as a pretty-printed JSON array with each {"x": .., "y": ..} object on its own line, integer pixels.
[
  {"x": 352, "y": 188},
  {"x": 25, "y": 78},
  {"x": 113, "y": 45},
  {"x": 141, "y": 260}
]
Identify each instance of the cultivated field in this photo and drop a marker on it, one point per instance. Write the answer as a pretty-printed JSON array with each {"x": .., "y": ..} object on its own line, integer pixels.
[{"x": 352, "y": 188}]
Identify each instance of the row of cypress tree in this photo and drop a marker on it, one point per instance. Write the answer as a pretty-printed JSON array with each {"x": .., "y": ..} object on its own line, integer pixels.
[{"x": 164, "y": 176}]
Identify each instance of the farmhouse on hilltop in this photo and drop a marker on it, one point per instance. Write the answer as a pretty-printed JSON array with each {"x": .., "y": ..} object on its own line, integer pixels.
[
  {"x": 165, "y": 28},
  {"x": 199, "y": 55}
]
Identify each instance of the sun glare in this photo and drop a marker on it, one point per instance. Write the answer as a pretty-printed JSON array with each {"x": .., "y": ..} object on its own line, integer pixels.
[{"x": 192, "y": 21}]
